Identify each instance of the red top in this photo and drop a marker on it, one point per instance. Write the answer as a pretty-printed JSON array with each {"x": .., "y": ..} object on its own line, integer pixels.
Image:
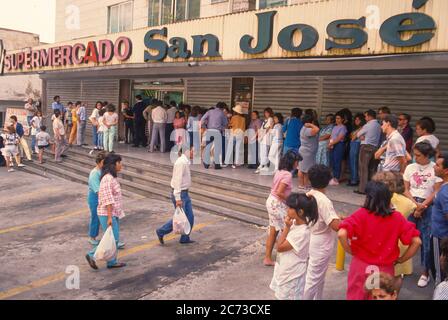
[{"x": 374, "y": 239}]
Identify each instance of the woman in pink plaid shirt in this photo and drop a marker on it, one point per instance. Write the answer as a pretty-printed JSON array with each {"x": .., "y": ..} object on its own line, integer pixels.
[{"x": 110, "y": 208}]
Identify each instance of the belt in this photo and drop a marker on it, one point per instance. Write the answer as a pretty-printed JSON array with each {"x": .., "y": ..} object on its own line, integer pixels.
[{"x": 186, "y": 190}]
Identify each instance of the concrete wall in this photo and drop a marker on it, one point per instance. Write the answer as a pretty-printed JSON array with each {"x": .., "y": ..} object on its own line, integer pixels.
[{"x": 13, "y": 39}]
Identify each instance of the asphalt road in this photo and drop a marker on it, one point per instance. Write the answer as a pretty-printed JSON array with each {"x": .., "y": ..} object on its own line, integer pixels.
[{"x": 43, "y": 241}]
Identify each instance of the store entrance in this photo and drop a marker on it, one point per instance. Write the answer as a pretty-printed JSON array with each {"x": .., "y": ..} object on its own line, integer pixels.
[{"x": 165, "y": 91}]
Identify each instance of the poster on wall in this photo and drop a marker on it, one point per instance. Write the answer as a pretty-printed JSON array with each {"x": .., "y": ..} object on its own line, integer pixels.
[{"x": 21, "y": 118}]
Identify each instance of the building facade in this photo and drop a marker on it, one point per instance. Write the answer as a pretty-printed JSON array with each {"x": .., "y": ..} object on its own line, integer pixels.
[
  {"x": 325, "y": 55},
  {"x": 16, "y": 89}
]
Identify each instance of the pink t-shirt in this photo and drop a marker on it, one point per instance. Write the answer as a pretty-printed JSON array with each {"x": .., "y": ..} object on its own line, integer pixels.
[{"x": 285, "y": 177}]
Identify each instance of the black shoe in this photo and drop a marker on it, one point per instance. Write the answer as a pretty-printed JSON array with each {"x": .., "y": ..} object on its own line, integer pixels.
[
  {"x": 187, "y": 242},
  {"x": 63, "y": 156},
  {"x": 351, "y": 184},
  {"x": 218, "y": 167},
  {"x": 359, "y": 192},
  {"x": 160, "y": 238},
  {"x": 91, "y": 262},
  {"x": 135, "y": 146},
  {"x": 118, "y": 265},
  {"x": 206, "y": 166}
]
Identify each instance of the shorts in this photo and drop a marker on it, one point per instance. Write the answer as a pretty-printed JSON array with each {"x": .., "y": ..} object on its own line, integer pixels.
[
  {"x": 10, "y": 151},
  {"x": 277, "y": 211},
  {"x": 43, "y": 147}
]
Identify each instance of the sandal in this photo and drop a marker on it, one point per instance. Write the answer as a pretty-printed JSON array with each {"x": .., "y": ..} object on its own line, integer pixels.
[
  {"x": 91, "y": 262},
  {"x": 117, "y": 265}
]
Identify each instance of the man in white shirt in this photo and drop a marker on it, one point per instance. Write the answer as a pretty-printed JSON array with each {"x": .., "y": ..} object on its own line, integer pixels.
[
  {"x": 171, "y": 113},
  {"x": 159, "y": 117},
  {"x": 59, "y": 136},
  {"x": 180, "y": 183}
]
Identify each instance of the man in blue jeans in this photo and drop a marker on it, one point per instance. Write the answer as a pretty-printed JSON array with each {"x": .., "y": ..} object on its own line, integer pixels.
[{"x": 180, "y": 182}]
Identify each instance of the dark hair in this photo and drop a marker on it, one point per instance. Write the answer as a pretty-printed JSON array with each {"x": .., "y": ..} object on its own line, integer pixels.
[
  {"x": 173, "y": 103},
  {"x": 195, "y": 111},
  {"x": 110, "y": 165},
  {"x": 378, "y": 197},
  {"x": 102, "y": 112},
  {"x": 111, "y": 108},
  {"x": 100, "y": 157},
  {"x": 57, "y": 112},
  {"x": 14, "y": 117},
  {"x": 268, "y": 110},
  {"x": 300, "y": 201},
  {"x": 55, "y": 98},
  {"x": 407, "y": 116},
  {"x": 177, "y": 113},
  {"x": 320, "y": 176},
  {"x": 105, "y": 103},
  {"x": 346, "y": 115},
  {"x": 43, "y": 128},
  {"x": 138, "y": 97},
  {"x": 444, "y": 156},
  {"x": 279, "y": 117},
  {"x": 361, "y": 117},
  {"x": 69, "y": 103},
  {"x": 341, "y": 115},
  {"x": 425, "y": 149},
  {"x": 371, "y": 113},
  {"x": 99, "y": 103},
  {"x": 307, "y": 118},
  {"x": 257, "y": 113},
  {"x": 288, "y": 159},
  {"x": 384, "y": 110},
  {"x": 392, "y": 120},
  {"x": 221, "y": 105},
  {"x": 331, "y": 116},
  {"x": 78, "y": 103},
  {"x": 296, "y": 112},
  {"x": 427, "y": 123}
]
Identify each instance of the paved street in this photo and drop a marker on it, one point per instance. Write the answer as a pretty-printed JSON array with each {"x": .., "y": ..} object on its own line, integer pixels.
[{"x": 43, "y": 230}]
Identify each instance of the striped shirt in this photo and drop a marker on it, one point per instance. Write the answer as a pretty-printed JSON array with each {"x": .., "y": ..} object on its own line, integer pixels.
[{"x": 110, "y": 194}]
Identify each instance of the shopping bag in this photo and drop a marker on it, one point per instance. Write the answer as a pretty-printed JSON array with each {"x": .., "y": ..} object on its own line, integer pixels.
[
  {"x": 181, "y": 225},
  {"x": 107, "y": 248}
]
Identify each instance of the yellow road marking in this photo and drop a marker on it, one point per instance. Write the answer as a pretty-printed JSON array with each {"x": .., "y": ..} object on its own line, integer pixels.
[
  {"x": 38, "y": 223},
  {"x": 61, "y": 275}
]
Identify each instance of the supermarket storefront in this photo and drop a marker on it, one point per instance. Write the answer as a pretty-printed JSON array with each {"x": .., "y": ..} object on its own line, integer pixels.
[{"x": 324, "y": 55}]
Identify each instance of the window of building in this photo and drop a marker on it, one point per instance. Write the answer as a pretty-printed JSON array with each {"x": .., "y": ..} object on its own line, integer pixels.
[
  {"x": 263, "y": 4},
  {"x": 167, "y": 11},
  {"x": 120, "y": 17}
]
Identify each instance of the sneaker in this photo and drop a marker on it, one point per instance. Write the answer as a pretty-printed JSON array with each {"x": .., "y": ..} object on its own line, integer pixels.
[
  {"x": 94, "y": 242},
  {"x": 121, "y": 245},
  {"x": 423, "y": 281},
  {"x": 334, "y": 182},
  {"x": 21, "y": 165},
  {"x": 91, "y": 151},
  {"x": 11, "y": 170},
  {"x": 225, "y": 166}
]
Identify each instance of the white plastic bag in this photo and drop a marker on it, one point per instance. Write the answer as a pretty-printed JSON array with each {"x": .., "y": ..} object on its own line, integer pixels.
[
  {"x": 107, "y": 248},
  {"x": 181, "y": 225}
]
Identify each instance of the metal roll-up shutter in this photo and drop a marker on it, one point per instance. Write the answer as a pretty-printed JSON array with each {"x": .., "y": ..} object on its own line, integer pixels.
[
  {"x": 99, "y": 90},
  {"x": 206, "y": 92},
  {"x": 417, "y": 95},
  {"x": 68, "y": 90},
  {"x": 284, "y": 93}
]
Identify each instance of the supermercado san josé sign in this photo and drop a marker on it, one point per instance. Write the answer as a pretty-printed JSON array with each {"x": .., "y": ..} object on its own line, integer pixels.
[{"x": 369, "y": 27}]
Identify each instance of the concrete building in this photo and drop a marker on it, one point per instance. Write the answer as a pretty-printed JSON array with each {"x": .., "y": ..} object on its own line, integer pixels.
[
  {"x": 16, "y": 89},
  {"x": 319, "y": 54}
]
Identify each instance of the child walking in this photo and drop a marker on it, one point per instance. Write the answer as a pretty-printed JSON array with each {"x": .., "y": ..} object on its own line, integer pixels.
[
  {"x": 288, "y": 281},
  {"x": 11, "y": 150},
  {"x": 276, "y": 202},
  {"x": 43, "y": 141}
]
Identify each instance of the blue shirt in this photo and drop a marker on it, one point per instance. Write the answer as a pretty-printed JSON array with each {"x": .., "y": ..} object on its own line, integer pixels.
[
  {"x": 215, "y": 119},
  {"x": 372, "y": 133},
  {"x": 19, "y": 130},
  {"x": 94, "y": 180},
  {"x": 82, "y": 114},
  {"x": 439, "y": 223},
  {"x": 58, "y": 106},
  {"x": 292, "y": 128}
]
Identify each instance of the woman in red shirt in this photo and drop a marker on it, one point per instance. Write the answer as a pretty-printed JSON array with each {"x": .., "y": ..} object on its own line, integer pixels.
[{"x": 371, "y": 235}]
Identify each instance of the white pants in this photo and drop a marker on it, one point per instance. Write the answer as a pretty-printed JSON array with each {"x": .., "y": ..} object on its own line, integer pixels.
[
  {"x": 321, "y": 250},
  {"x": 275, "y": 153}
]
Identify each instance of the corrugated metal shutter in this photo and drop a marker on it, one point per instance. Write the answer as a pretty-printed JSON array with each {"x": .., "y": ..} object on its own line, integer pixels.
[
  {"x": 284, "y": 93},
  {"x": 88, "y": 91},
  {"x": 206, "y": 92},
  {"x": 418, "y": 95},
  {"x": 99, "y": 90}
]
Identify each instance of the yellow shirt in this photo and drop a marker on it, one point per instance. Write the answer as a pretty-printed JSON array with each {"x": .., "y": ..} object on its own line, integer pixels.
[
  {"x": 238, "y": 122},
  {"x": 74, "y": 115},
  {"x": 405, "y": 206}
]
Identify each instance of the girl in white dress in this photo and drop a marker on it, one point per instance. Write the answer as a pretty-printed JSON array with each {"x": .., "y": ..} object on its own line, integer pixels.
[{"x": 289, "y": 277}]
